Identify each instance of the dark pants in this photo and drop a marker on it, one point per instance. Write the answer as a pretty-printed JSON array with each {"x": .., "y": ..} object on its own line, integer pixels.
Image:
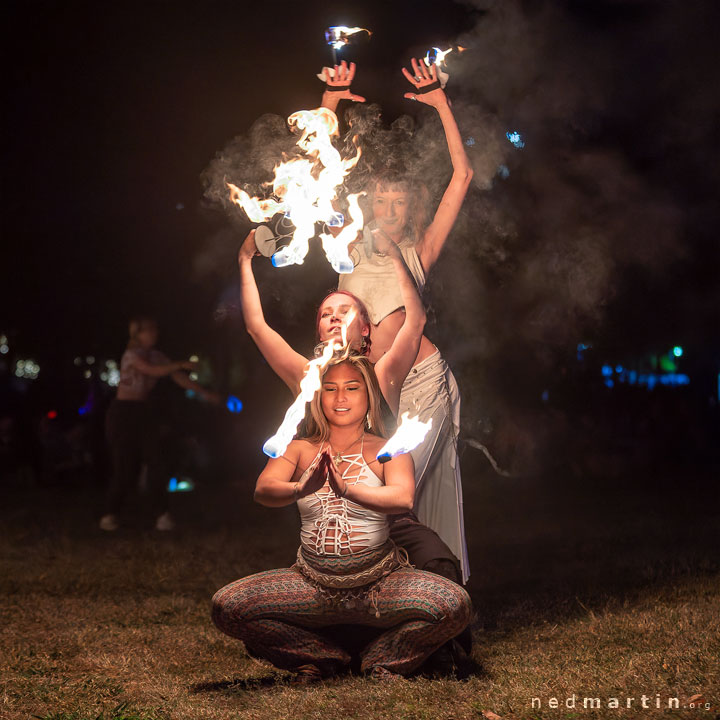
[
  {"x": 424, "y": 547},
  {"x": 134, "y": 439}
]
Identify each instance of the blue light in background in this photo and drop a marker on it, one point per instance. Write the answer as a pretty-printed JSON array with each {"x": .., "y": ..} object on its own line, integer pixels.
[
  {"x": 609, "y": 383},
  {"x": 516, "y": 139},
  {"x": 677, "y": 351},
  {"x": 470, "y": 141},
  {"x": 183, "y": 484},
  {"x": 233, "y": 404},
  {"x": 607, "y": 370},
  {"x": 503, "y": 172}
]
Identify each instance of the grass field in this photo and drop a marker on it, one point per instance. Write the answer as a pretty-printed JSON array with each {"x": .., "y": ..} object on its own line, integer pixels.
[{"x": 582, "y": 590}]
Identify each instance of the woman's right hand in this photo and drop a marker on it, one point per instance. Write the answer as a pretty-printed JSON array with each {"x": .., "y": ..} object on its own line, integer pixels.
[
  {"x": 339, "y": 83},
  {"x": 248, "y": 249},
  {"x": 314, "y": 477}
]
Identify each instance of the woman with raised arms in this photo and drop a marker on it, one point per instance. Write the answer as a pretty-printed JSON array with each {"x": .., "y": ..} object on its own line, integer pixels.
[
  {"x": 424, "y": 547},
  {"x": 348, "y": 570},
  {"x": 399, "y": 208}
]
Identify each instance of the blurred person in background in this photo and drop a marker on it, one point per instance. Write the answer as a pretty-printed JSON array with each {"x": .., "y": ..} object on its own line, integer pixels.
[{"x": 133, "y": 430}]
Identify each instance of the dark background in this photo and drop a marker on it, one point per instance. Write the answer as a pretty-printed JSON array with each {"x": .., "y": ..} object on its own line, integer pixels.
[{"x": 604, "y": 232}]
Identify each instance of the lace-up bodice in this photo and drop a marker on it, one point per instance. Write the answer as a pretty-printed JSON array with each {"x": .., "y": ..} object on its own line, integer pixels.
[{"x": 338, "y": 526}]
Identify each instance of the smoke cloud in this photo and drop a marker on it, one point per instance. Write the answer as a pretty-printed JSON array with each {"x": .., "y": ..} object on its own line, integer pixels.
[{"x": 613, "y": 103}]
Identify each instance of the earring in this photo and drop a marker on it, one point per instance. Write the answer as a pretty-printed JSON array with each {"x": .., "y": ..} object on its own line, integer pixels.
[
  {"x": 363, "y": 344},
  {"x": 367, "y": 421}
]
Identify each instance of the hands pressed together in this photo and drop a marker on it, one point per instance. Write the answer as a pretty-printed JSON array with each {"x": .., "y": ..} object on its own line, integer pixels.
[{"x": 320, "y": 470}]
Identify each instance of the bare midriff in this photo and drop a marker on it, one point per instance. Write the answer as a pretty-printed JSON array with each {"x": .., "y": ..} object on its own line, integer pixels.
[{"x": 383, "y": 336}]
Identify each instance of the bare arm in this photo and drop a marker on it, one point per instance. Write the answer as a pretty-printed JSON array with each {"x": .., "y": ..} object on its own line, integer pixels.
[
  {"x": 437, "y": 232},
  {"x": 161, "y": 369},
  {"x": 287, "y": 364},
  {"x": 275, "y": 486},
  {"x": 395, "y": 496},
  {"x": 185, "y": 382},
  {"x": 393, "y": 367}
]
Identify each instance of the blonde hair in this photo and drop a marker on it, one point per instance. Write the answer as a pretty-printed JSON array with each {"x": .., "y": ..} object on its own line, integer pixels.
[
  {"x": 317, "y": 428},
  {"x": 136, "y": 326}
]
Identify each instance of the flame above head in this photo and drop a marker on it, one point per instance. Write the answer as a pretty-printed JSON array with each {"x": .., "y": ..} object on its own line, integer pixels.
[
  {"x": 410, "y": 433},
  {"x": 336, "y": 248},
  {"x": 340, "y": 35},
  {"x": 304, "y": 189},
  {"x": 349, "y": 317},
  {"x": 312, "y": 381},
  {"x": 277, "y": 444}
]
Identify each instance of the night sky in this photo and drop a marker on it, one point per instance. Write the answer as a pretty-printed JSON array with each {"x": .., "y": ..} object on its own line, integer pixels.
[{"x": 605, "y": 228}]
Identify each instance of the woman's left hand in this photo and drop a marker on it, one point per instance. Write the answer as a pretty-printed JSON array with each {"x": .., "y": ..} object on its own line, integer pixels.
[
  {"x": 337, "y": 484},
  {"x": 424, "y": 77}
]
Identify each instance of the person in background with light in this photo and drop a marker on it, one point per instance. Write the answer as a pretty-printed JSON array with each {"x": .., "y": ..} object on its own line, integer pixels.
[
  {"x": 399, "y": 205},
  {"x": 348, "y": 570},
  {"x": 132, "y": 431}
]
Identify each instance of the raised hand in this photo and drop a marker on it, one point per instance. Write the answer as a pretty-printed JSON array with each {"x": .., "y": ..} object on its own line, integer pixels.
[
  {"x": 248, "y": 249},
  {"x": 337, "y": 87},
  {"x": 426, "y": 84}
]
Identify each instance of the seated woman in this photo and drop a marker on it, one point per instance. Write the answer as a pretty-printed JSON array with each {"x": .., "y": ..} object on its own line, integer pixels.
[
  {"x": 400, "y": 211},
  {"x": 348, "y": 571}
]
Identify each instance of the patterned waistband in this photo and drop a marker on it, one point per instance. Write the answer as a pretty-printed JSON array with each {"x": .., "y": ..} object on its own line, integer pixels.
[{"x": 351, "y": 571}]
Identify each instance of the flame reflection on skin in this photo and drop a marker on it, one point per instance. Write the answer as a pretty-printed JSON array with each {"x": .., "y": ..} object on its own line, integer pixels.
[
  {"x": 410, "y": 433},
  {"x": 312, "y": 380},
  {"x": 305, "y": 188}
]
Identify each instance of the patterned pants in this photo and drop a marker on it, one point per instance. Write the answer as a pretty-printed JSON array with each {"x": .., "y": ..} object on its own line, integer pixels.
[{"x": 278, "y": 614}]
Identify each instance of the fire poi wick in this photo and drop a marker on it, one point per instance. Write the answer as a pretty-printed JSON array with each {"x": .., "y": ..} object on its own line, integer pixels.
[
  {"x": 303, "y": 191},
  {"x": 410, "y": 433},
  {"x": 339, "y": 36},
  {"x": 312, "y": 380},
  {"x": 437, "y": 57}
]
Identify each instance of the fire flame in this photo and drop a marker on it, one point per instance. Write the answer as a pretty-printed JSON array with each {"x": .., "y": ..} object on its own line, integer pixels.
[
  {"x": 340, "y": 35},
  {"x": 410, "y": 433},
  {"x": 309, "y": 385},
  {"x": 304, "y": 189}
]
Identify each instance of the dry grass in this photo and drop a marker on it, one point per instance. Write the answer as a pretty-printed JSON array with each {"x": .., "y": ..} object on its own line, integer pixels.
[{"x": 594, "y": 594}]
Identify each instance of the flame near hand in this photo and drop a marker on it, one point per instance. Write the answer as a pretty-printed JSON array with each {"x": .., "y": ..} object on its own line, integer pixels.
[
  {"x": 410, "y": 433},
  {"x": 305, "y": 188}
]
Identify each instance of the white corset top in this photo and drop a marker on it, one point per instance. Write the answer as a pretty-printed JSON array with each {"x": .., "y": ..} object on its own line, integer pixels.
[{"x": 338, "y": 526}]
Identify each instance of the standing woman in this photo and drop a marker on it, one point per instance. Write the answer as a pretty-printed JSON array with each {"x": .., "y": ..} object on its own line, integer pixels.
[
  {"x": 132, "y": 430},
  {"x": 430, "y": 390}
]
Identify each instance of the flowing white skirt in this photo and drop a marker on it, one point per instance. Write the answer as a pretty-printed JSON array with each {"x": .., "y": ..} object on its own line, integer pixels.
[{"x": 430, "y": 391}]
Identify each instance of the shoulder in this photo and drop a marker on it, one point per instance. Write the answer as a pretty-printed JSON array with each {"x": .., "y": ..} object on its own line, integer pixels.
[
  {"x": 130, "y": 355},
  {"x": 300, "y": 449}
]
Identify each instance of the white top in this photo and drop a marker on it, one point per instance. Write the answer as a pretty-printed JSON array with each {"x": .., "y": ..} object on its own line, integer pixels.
[
  {"x": 338, "y": 526},
  {"x": 374, "y": 279}
]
